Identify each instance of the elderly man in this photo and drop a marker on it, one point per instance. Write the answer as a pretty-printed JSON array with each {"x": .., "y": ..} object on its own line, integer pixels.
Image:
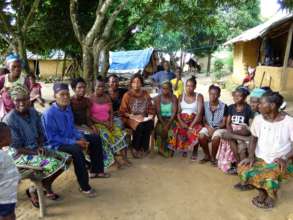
[{"x": 61, "y": 135}]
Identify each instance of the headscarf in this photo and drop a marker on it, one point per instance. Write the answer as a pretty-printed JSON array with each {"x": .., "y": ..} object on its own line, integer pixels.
[
  {"x": 59, "y": 86},
  {"x": 19, "y": 91},
  {"x": 257, "y": 93},
  {"x": 11, "y": 57}
]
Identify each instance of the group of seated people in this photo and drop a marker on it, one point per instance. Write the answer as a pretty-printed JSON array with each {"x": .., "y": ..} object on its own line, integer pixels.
[{"x": 253, "y": 141}]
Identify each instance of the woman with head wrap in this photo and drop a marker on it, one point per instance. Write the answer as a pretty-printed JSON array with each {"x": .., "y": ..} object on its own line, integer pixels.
[
  {"x": 255, "y": 96},
  {"x": 13, "y": 78},
  {"x": 166, "y": 109},
  {"x": 27, "y": 146},
  {"x": 269, "y": 152}
]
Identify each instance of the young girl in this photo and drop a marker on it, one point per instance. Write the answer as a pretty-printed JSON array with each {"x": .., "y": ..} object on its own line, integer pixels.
[
  {"x": 190, "y": 115},
  {"x": 233, "y": 143},
  {"x": 113, "y": 138},
  {"x": 35, "y": 91},
  {"x": 166, "y": 108}
]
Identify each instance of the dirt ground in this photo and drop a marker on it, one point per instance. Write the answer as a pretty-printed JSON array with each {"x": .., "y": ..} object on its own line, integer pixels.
[{"x": 160, "y": 189}]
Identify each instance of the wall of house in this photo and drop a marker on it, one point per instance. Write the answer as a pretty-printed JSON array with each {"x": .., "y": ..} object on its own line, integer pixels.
[
  {"x": 244, "y": 54},
  {"x": 50, "y": 68},
  {"x": 289, "y": 85},
  {"x": 269, "y": 74}
]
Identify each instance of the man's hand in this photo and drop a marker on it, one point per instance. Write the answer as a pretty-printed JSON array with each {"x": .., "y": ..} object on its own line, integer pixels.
[
  {"x": 82, "y": 143},
  {"x": 247, "y": 162},
  {"x": 282, "y": 163},
  {"x": 138, "y": 118}
]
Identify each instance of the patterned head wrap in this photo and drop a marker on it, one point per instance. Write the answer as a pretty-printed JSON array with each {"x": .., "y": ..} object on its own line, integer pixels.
[
  {"x": 59, "y": 86},
  {"x": 257, "y": 93},
  {"x": 19, "y": 91},
  {"x": 12, "y": 57}
]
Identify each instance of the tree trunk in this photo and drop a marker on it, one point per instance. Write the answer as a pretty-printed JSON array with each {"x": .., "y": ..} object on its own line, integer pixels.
[
  {"x": 87, "y": 63},
  {"x": 105, "y": 63},
  {"x": 209, "y": 64},
  {"x": 64, "y": 65},
  {"x": 21, "y": 49}
]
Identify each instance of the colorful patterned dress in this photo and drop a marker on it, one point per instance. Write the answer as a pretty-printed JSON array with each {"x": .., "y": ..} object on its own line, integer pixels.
[
  {"x": 113, "y": 141},
  {"x": 183, "y": 138},
  {"x": 274, "y": 140}
]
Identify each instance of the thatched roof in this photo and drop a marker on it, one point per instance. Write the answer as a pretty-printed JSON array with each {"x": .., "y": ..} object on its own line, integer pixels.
[{"x": 262, "y": 29}]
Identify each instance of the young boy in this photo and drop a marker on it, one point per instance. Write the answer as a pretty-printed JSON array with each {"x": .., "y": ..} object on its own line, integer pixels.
[
  {"x": 9, "y": 177},
  {"x": 177, "y": 83}
]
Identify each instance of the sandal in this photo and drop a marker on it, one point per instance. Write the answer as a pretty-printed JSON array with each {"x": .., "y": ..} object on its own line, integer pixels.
[
  {"x": 263, "y": 205},
  {"x": 214, "y": 163},
  {"x": 184, "y": 154},
  {"x": 204, "y": 160},
  {"x": 52, "y": 196},
  {"x": 35, "y": 202},
  {"x": 232, "y": 171},
  {"x": 243, "y": 187},
  {"x": 99, "y": 175},
  {"x": 90, "y": 193},
  {"x": 193, "y": 158}
]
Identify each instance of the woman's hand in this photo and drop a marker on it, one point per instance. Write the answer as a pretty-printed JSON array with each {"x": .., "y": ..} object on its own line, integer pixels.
[
  {"x": 247, "y": 162},
  {"x": 282, "y": 164},
  {"x": 138, "y": 118}
]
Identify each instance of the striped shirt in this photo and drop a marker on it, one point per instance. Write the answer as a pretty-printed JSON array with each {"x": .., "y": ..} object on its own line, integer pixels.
[{"x": 9, "y": 178}]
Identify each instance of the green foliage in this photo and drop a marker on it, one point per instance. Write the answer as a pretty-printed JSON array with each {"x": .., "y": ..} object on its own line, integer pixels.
[{"x": 218, "y": 69}]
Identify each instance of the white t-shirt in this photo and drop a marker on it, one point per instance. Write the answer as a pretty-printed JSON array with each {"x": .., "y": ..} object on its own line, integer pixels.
[
  {"x": 274, "y": 138},
  {"x": 9, "y": 178}
]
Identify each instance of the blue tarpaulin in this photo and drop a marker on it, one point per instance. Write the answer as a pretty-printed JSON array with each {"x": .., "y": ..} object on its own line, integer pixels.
[{"x": 129, "y": 61}]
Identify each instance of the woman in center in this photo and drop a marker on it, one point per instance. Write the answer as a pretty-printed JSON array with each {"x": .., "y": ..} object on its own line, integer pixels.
[
  {"x": 190, "y": 115},
  {"x": 101, "y": 113}
]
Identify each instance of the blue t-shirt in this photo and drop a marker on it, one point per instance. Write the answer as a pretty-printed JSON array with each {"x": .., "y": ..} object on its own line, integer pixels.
[{"x": 162, "y": 76}]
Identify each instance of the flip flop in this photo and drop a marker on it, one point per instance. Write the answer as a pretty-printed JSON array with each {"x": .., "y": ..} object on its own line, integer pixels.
[
  {"x": 34, "y": 203},
  {"x": 261, "y": 205},
  {"x": 90, "y": 193},
  {"x": 204, "y": 160},
  {"x": 243, "y": 187},
  {"x": 99, "y": 176},
  {"x": 52, "y": 196}
]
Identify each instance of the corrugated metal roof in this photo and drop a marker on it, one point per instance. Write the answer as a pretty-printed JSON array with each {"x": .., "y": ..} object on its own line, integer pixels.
[
  {"x": 261, "y": 30},
  {"x": 54, "y": 55}
]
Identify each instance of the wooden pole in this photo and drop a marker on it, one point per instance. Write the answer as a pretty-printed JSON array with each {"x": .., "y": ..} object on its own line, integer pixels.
[{"x": 286, "y": 58}]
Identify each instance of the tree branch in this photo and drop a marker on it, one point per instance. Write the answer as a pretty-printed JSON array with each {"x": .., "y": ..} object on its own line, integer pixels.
[
  {"x": 100, "y": 15},
  {"x": 73, "y": 17},
  {"x": 34, "y": 7},
  {"x": 111, "y": 20}
]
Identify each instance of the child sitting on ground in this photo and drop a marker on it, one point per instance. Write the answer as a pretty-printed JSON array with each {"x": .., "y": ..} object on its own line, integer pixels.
[
  {"x": 9, "y": 177},
  {"x": 36, "y": 93}
]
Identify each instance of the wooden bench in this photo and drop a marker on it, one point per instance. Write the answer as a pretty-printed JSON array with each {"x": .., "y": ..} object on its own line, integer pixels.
[{"x": 28, "y": 172}]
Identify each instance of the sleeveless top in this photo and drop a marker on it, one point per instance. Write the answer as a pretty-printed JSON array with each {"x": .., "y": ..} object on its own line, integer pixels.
[
  {"x": 100, "y": 112},
  {"x": 166, "y": 109},
  {"x": 188, "y": 108}
]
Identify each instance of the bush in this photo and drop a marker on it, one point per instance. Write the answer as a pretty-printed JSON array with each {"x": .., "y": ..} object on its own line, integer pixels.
[{"x": 218, "y": 69}]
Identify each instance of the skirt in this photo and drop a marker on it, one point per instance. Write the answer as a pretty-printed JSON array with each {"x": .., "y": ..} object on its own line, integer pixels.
[
  {"x": 225, "y": 155},
  {"x": 161, "y": 142},
  {"x": 112, "y": 141},
  {"x": 266, "y": 176},
  {"x": 51, "y": 162},
  {"x": 183, "y": 139}
]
